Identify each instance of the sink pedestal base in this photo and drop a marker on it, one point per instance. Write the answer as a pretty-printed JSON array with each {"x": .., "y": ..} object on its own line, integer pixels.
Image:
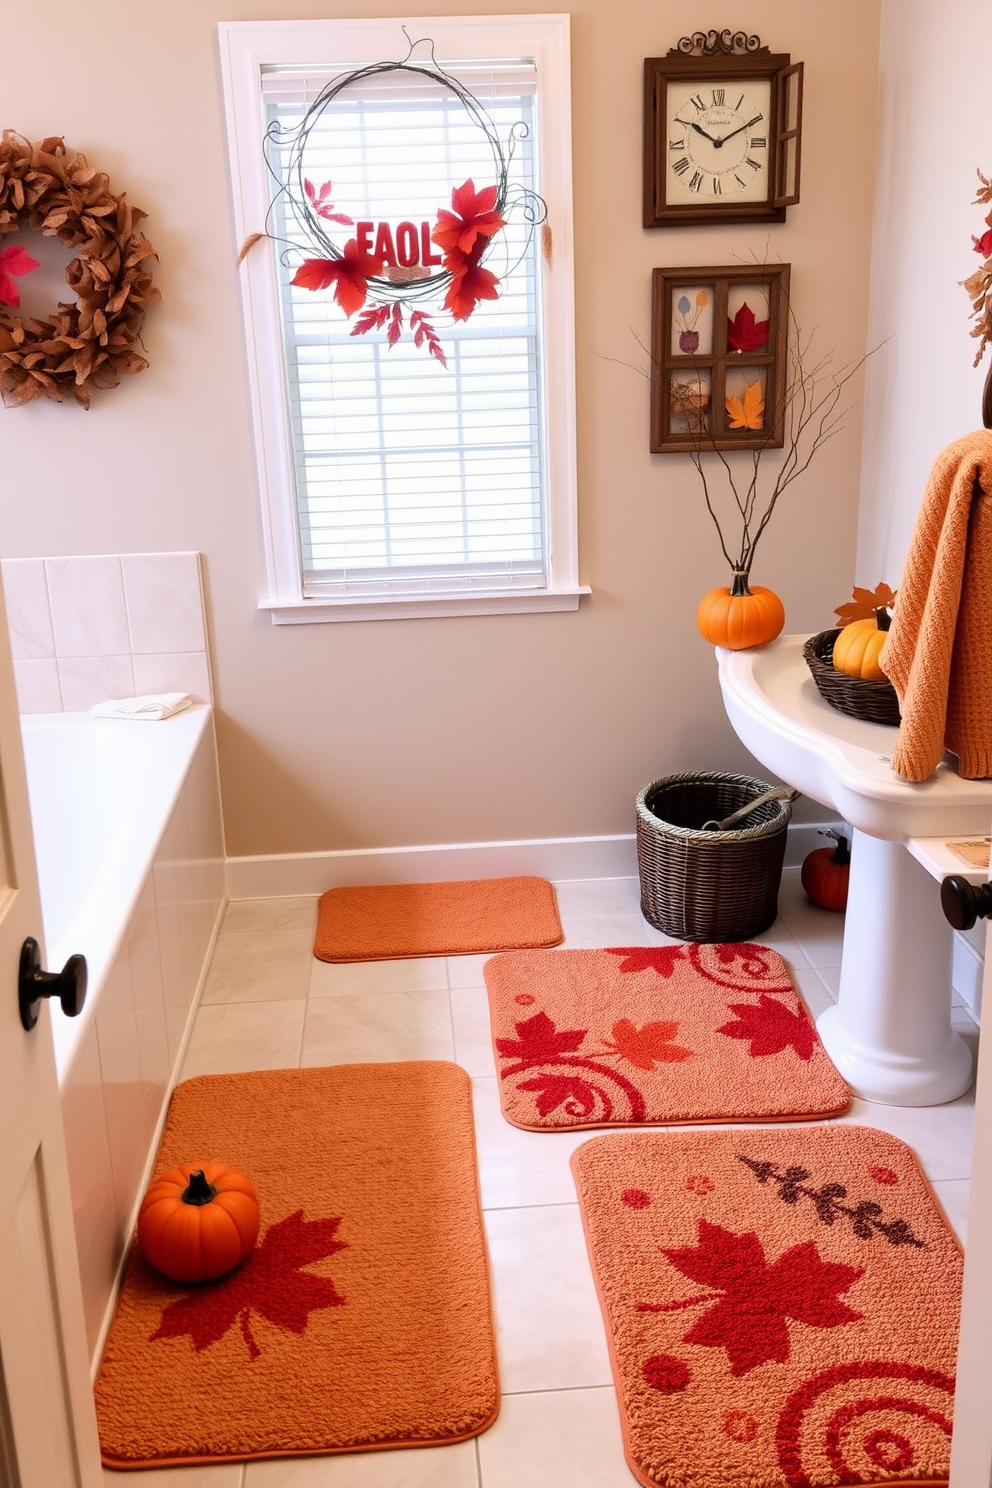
[{"x": 890, "y": 1032}]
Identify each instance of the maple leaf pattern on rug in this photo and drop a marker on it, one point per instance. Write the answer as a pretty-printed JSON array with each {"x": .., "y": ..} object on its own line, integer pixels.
[
  {"x": 749, "y": 1319},
  {"x": 270, "y": 1282},
  {"x": 640, "y": 1034},
  {"x": 769, "y": 1322}
]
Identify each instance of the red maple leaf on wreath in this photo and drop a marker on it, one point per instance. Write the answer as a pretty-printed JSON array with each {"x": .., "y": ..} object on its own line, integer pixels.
[
  {"x": 645, "y": 1047},
  {"x": 474, "y": 216},
  {"x": 749, "y": 1319},
  {"x": 771, "y": 1027},
  {"x": 270, "y": 1282},
  {"x": 349, "y": 274},
  {"x": 538, "y": 1040},
  {"x": 661, "y": 959},
  {"x": 470, "y": 283}
]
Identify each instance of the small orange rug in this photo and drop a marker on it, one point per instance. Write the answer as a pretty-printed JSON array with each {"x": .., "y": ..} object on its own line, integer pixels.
[
  {"x": 383, "y": 922},
  {"x": 362, "y": 1320},
  {"x": 781, "y": 1306},
  {"x": 656, "y": 1035}
]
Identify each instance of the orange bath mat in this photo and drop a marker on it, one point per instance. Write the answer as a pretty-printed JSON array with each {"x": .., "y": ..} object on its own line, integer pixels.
[
  {"x": 781, "y": 1306},
  {"x": 363, "y": 1318},
  {"x": 655, "y": 1034},
  {"x": 383, "y": 922}
]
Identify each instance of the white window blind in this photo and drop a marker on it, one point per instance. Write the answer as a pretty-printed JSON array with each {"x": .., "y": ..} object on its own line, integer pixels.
[{"x": 409, "y": 477}]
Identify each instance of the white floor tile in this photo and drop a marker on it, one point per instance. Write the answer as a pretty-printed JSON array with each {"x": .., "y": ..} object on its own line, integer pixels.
[
  {"x": 598, "y": 896},
  {"x": 518, "y": 1167},
  {"x": 939, "y": 1135},
  {"x": 224, "y": 1475},
  {"x": 952, "y": 1195},
  {"x": 564, "y": 1439},
  {"x": 816, "y": 995},
  {"x": 582, "y": 931},
  {"x": 343, "y": 979},
  {"x": 473, "y": 1034},
  {"x": 378, "y": 1026},
  {"x": 245, "y": 1036},
  {"x": 548, "y": 1324},
  {"x": 413, "y": 1467},
  {"x": 466, "y": 971}
]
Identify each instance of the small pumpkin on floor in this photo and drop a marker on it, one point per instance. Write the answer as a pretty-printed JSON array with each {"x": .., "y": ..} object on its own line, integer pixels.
[
  {"x": 826, "y": 873},
  {"x": 198, "y": 1221}
]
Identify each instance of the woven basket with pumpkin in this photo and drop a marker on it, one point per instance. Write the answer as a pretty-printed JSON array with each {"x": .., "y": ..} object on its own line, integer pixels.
[{"x": 845, "y": 661}]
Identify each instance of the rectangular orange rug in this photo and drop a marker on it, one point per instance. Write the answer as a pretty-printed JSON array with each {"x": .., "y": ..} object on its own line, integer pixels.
[
  {"x": 362, "y": 1319},
  {"x": 781, "y": 1306},
  {"x": 383, "y": 922},
  {"x": 657, "y": 1035}
]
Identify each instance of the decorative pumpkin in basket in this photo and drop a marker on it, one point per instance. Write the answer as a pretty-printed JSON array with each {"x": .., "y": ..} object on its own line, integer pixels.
[
  {"x": 844, "y": 661},
  {"x": 864, "y": 621},
  {"x": 198, "y": 1221}
]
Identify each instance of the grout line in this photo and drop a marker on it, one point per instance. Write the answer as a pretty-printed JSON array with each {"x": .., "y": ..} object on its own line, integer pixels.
[
  {"x": 478, "y": 1457},
  {"x": 561, "y": 1390},
  {"x": 549, "y": 1204}
]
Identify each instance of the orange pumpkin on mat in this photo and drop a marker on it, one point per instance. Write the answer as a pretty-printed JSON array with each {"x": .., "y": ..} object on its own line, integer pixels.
[{"x": 198, "y": 1221}]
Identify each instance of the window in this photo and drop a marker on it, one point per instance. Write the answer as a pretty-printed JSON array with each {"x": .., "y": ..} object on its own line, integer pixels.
[{"x": 391, "y": 486}]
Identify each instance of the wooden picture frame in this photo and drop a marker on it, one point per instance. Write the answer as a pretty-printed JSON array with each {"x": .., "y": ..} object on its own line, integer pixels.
[
  {"x": 719, "y": 357},
  {"x": 692, "y": 173}
]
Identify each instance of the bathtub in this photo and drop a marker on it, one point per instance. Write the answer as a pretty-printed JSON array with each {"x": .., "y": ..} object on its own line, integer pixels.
[{"x": 129, "y": 846}]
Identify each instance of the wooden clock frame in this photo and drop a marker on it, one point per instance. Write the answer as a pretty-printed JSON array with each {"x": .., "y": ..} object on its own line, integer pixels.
[
  {"x": 714, "y": 364},
  {"x": 722, "y": 57}
]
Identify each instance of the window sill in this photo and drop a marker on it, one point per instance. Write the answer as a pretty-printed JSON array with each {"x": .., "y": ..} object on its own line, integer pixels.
[{"x": 421, "y": 607}]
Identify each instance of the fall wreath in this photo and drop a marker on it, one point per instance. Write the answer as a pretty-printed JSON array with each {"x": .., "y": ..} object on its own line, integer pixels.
[{"x": 87, "y": 343}]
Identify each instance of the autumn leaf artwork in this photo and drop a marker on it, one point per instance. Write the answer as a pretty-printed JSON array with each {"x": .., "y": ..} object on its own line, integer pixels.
[
  {"x": 271, "y": 1284},
  {"x": 745, "y": 333},
  {"x": 747, "y": 412},
  {"x": 687, "y": 319}
]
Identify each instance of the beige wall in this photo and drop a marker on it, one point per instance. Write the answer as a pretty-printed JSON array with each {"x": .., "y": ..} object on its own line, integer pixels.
[
  {"x": 439, "y": 730},
  {"x": 935, "y": 128}
]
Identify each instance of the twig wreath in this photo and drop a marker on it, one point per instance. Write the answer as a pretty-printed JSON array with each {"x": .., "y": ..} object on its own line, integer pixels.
[
  {"x": 87, "y": 343},
  {"x": 393, "y": 273}
]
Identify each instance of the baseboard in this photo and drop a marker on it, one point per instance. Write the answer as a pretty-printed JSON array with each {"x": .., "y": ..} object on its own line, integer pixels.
[{"x": 279, "y": 875}]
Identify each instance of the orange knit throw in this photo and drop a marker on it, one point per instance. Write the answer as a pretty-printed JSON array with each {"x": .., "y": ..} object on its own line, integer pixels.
[{"x": 939, "y": 652}]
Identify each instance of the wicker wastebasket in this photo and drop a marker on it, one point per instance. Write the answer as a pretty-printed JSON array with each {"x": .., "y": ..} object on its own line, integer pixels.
[{"x": 709, "y": 886}]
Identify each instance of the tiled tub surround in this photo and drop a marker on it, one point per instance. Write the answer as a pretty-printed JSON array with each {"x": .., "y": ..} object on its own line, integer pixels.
[
  {"x": 147, "y": 920},
  {"x": 84, "y": 629}
]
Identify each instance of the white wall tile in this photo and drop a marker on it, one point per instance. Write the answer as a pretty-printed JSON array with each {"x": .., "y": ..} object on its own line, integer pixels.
[
  {"x": 164, "y": 607},
  {"x": 29, "y": 616},
  {"x": 38, "y": 689},
  {"x": 90, "y": 1183},
  {"x": 173, "y": 671},
  {"x": 86, "y": 680},
  {"x": 89, "y": 617}
]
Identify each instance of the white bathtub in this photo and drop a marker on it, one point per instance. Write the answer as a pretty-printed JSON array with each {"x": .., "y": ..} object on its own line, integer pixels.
[{"x": 129, "y": 844}]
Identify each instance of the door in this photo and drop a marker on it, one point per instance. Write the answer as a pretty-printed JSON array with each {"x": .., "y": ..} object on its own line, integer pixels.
[
  {"x": 47, "y": 1423},
  {"x": 971, "y": 1449}
]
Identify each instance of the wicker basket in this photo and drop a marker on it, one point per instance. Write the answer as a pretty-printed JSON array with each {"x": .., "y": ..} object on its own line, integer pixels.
[
  {"x": 873, "y": 702},
  {"x": 709, "y": 886}
]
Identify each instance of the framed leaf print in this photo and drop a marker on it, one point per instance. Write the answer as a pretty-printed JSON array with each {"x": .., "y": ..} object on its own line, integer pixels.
[{"x": 719, "y": 344}]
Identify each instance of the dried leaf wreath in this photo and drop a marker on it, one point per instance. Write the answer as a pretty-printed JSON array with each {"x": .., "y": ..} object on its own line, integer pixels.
[{"x": 89, "y": 343}]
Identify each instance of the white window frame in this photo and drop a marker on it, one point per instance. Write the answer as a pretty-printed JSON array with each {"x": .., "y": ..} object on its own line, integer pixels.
[{"x": 247, "y": 46}]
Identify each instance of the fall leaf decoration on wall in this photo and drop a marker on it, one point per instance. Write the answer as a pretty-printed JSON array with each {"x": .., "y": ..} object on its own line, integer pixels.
[
  {"x": 865, "y": 603},
  {"x": 979, "y": 284},
  {"x": 88, "y": 342},
  {"x": 744, "y": 333},
  {"x": 747, "y": 412},
  {"x": 394, "y": 273},
  {"x": 688, "y": 319}
]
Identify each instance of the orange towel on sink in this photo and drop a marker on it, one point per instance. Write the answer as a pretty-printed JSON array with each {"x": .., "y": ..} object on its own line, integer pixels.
[{"x": 938, "y": 655}]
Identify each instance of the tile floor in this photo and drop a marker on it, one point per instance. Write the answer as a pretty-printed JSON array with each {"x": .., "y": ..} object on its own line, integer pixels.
[{"x": 268, "y": 1004}]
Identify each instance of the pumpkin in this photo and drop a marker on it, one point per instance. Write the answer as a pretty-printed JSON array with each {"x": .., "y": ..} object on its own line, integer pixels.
[
  {"x": 198, "y": 1221},
  {"x": 826, "y": 872},
  {"x": 856, "y": 649},
  {"x": 740, "y": 616}
]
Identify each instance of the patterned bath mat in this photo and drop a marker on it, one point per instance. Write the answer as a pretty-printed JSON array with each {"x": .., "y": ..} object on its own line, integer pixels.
[
  {"x": 383, "y": 922},
  {"x": 363, "y": 1318},
  {"x": 655, "y": 1034},
  {"x": 781, "y": 1306}
]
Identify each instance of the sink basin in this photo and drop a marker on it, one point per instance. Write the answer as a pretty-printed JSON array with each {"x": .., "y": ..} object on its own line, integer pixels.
[
  {"x": 776, "y": 710},
  {"x": 890, "y": 1032}
]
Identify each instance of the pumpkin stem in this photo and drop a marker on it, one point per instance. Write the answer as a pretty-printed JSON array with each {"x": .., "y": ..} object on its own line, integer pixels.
[
  {"x": 739, "y": 587},
  {"x": 199, "y": 1191},
  {"x": 883, "y": 618},
  {"x": 842, "y": 853}
]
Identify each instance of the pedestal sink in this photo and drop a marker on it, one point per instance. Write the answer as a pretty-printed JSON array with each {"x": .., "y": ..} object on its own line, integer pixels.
[{"x": 890, "y": 1032}]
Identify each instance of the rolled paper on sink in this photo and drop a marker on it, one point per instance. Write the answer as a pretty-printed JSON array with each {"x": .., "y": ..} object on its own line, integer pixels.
[{"x": 151, "y": 707}]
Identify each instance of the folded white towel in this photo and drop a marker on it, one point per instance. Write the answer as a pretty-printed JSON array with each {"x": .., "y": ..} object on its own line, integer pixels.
[{"x": 152, "y": 706}]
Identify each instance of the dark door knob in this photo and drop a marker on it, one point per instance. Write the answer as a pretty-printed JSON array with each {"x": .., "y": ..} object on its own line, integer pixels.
[
  {"x": 68, "y": 985},
  {"x": 964, "y": 903}
]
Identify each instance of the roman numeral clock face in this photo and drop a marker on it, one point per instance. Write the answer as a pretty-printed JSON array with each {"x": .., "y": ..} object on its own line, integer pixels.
[{"x": 716, "y": 144}]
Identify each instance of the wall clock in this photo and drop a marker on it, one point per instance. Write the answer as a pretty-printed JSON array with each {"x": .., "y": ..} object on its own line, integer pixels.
[{"x": 722, "y": 124}]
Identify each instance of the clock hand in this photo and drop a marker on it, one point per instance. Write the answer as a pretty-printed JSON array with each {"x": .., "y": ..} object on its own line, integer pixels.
[
  {"x": 689, "y": 123},
  {"x": 723, "y": 140}
]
